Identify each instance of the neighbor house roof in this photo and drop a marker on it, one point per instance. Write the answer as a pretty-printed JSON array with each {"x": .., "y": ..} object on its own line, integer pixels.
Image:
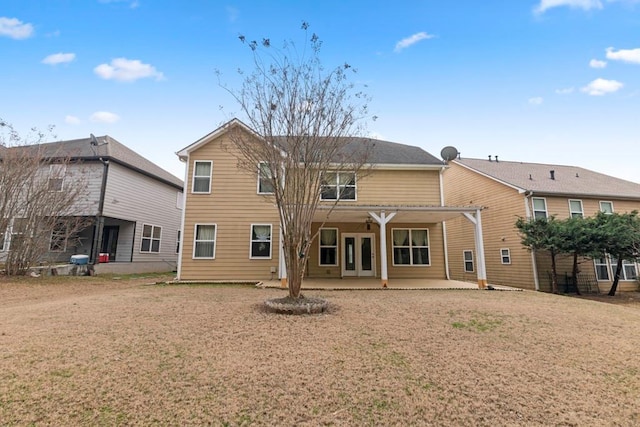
[
  {"x": 381, "y": 152},
  {"x": 107, "y": 148},
  {"x": 566, "y": 181}
]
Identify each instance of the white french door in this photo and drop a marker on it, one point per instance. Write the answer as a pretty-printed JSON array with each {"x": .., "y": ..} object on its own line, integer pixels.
[{"x": 358, "y": 255}]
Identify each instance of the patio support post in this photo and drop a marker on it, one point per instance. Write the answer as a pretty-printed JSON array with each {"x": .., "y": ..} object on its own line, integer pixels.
[
  {"x": 382, "y": 220},
  {"x": 482, "y": 270}
]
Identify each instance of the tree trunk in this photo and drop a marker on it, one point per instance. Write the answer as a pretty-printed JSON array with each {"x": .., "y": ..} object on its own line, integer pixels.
[
  {"x": 574, "y": 273},
  {"x": 616, "y": 278},
  {"x": 554, "y": 273}
]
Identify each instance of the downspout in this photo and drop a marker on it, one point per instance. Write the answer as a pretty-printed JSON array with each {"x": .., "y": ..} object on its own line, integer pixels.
[
  {"x": 534, "y": 266},
  {"x": 184, "y": 209},
  {"x": 444, "y": 228},
  {"x": 97, "y": 235}
]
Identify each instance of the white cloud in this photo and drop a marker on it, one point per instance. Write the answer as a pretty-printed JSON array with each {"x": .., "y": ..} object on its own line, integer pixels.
[
  {"x": 133, "y": 4},
  {"x": 59, "y": 58},
  {"x": 625, "y": 55},
  {"x": 127, "y": 70},
  {"x": 411, "y": 40},
  {"x": 104, "y": 117},
  {"x": 565, "y": 91},
  {"x": 14, "y": 28},
  {"x": 595, "y": 63},
  {"x": 72, "y": 120},
  {"x": 602, "y": 87},
  {"x": 538, "y": 100},
  {"x": 576, "y": 4},
  {"x": 232, "y": 14}
]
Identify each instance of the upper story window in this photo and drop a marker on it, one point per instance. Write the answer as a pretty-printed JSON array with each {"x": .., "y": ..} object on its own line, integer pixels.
[
  {"x": 204, "y": 242},
  {"x": 328, "y": 246},
  {"x": 151, "y": 235},
  {"x": 575, "y": 209},
  {"x": 468, "y": 261},
  {"x": 539, "y": 207},
  {"x": 202, "y": 176},
  {"x": 338, "y": 186},
  {"x": 265, "y": 179},
  {"x": 260, "y": 241},
  {"x": 56, "y": 177},
  {"x": 410, "y": 246},
  {"x": 606, "y": 207}
]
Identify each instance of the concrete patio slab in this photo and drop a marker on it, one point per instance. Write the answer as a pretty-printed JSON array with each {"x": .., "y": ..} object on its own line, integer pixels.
[{"x": 375, "y": 284}]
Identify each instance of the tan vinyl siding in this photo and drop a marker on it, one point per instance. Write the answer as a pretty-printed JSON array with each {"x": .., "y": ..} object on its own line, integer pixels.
[
  {"x": 233, "y": 206},
  {"x": 502, "y": 207},
  {"x": 398, "y": 187}
]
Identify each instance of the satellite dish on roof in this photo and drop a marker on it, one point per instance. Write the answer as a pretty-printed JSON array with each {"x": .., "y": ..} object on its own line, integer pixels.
[
  {"x": 449, "y": 153},
  {"x": 92, "y": 139}
]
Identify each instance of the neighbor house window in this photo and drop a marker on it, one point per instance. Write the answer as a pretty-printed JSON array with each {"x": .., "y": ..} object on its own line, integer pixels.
[
  {"x": 19, "y": 231},
  {"x": 468, "y": 261},
  {"x": 606, "y": 207},
  {"x": 505, "y": 255},
  {"x": 602, "y": 269},
  {"x": 58, "y": 241},
  {"x": 150, "y": 238},
  {"x": 338, "y": 186},
  {"x": 265, "y": 179},
  {"x": 56, "y": 177},
  {"x": 575, "y": 209},
  {"x": 260, "y": 241},
  {"x": 202, "y": 176},
  {"x": 3, "y": 239},
  {"x": 178, "y": 242},
  {"x": 539, "y": 207},
  {"x": 329, "y": 246},
  {"x": 179, "y": 200},
  {"x": 410, "y": 246},
  {"x": 204, "y": 245}
]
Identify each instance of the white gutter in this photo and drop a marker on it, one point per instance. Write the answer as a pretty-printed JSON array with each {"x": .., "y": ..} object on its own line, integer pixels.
[
  {"x": 444, "y": 227},
  {"x": 184, "y": 209},
  {"x": 527, "y": 210}
]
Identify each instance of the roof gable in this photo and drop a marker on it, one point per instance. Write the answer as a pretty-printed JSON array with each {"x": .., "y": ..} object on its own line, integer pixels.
[{"x": 567, "y": 180}]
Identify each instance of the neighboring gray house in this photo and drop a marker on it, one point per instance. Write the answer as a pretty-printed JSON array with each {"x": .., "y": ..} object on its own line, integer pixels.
[{"x": 134, "y": 206}]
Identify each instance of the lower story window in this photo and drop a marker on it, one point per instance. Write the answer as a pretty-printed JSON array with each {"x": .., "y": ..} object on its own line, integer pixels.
[
  {"x": 58, "y": 241},
  {"x": 468, "y": 261},
  {"x": 505, "y": 255},
  {"x": 410, "y": 246},
  {"x": 204, "y": 244},
  {"x": 329, "y": 246},
  {"x": 261, "y": 241},
  {"x": 150, "y": 238},
  {"x": 606, "y": 269}
]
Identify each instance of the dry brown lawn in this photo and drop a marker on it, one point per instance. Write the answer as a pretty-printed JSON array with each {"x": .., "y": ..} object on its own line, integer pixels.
[{"x": 97, "y": 351}]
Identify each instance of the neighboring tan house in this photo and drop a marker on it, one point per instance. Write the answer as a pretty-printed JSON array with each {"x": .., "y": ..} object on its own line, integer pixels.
[
  {"x": 133, "y": 206},
  {"x": 508, "y": 190},
  {"x": 388, "y": 223}
]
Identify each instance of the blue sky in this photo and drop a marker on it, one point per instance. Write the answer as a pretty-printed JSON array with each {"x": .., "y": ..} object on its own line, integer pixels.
[{"x": 551, "y": 81}]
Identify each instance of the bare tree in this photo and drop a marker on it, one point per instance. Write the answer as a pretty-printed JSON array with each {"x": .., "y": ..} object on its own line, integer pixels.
[
  {"x": 304, "y": 117},
  {"x": 39, "y": 208}
]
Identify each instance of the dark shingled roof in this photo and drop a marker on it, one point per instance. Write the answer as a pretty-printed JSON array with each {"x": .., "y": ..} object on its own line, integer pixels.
[
  {"x": 569, "y": 180},
  {"x": 386, "y": 152},
  {"x": 108, "y": 149}
]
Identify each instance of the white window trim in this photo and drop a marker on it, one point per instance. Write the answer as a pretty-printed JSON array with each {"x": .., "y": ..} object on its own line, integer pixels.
[
  {"x": 571, "y": 211},
  {"x": 320, "y": 246},
  {"x": 215, "y": 240},
  {"x": 502, "y": 256},
  {"x": 338, "y": 198},
  {"x": 193, "y": 178},
  {"x": 53, "y": 172},
  {"x": 259, "y": 179},
  {"x": 606, "y": 265},
  {"x": 533, "y": 207},
  {"x": 159, "y": 239},
  {"x": 602, "y": 210},
  {"x": 251, "y": 241},
  {"x": 465, "y": 261},
  {"x": 64, "y": 246},
  {"x": 393, "y": 246}
]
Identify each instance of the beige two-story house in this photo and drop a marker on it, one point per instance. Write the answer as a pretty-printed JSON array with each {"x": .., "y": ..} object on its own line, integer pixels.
[
  {"x": 509, "y": 190},
  {"x": 387, "y": 223}
]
